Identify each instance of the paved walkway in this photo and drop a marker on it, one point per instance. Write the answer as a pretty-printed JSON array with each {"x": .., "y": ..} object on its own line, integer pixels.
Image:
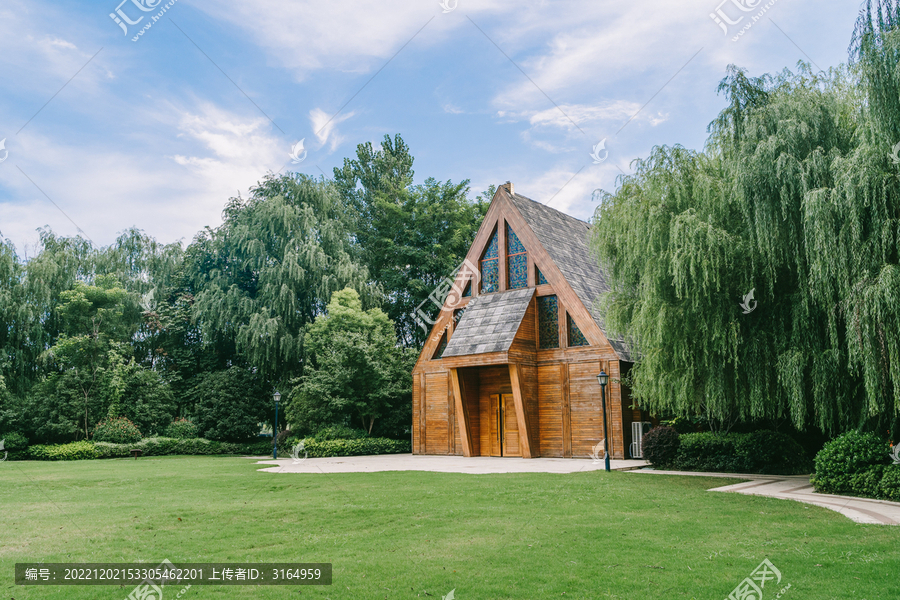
[
  {"x": 442, "y": 464},
  {"x": 798, "y": 487}
]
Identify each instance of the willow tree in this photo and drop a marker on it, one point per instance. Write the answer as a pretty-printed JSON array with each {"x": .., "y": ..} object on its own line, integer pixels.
[
  {"x": 270, "y": 269},
  {"x": 794, "y": 197}
]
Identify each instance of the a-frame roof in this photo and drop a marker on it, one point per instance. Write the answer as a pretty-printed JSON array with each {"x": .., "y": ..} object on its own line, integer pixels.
[
  {"x": 565, "y": 239},
  {"x": 556, "y": 243}
]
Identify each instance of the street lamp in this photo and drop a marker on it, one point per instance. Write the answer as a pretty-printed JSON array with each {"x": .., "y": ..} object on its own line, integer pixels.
[
  {"x": 603, "y": 379},
  {"x": 277, "y": 397}
]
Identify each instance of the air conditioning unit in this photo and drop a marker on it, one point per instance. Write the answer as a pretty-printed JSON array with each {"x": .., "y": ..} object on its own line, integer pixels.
[{"x": 638, "y": 429}]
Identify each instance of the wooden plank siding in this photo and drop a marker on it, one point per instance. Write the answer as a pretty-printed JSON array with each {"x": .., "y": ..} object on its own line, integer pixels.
[{"x": 437, "y": 422}]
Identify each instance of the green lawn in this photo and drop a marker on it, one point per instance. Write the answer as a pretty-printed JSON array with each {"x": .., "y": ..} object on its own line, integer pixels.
[{"x": 418, "y": 535}]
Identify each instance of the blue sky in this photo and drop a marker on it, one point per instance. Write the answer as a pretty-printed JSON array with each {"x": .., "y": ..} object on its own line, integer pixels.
[{"x": 104, "y": 133}]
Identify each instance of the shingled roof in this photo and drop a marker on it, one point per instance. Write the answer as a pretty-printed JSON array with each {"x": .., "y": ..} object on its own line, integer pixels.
[
  {"x": 565, "y": 239},
  {"x": 490, "y": 323}
]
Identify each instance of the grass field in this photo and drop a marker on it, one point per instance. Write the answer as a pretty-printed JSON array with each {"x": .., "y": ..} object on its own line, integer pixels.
[{"x": 417, "y": 535}]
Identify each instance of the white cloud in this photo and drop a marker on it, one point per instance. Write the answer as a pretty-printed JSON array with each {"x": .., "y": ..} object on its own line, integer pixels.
[
  {"x": 54, "y": 41},
  {"x": 108, "y": 189},
  {"x": 323, "y": 124}
]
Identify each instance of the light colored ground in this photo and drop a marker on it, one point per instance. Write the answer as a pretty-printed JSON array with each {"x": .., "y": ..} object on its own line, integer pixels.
[
  {"x": 798, "y": 487},
  {"x": 442, "y": 464}
]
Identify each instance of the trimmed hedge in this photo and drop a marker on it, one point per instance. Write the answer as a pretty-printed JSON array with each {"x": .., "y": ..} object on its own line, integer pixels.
[
  {"x": 74, "y": 451},
  {"x": 766, "y": 452},
  {"x": 162, "y": 446},
  {"x": 357, "y": 447},
  {"x": 158, "y": 446},
  {"x": 857, "y": 464}
]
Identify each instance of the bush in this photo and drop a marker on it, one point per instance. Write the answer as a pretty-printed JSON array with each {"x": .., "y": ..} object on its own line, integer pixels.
[
  {"x": 772, "y": 453},
  {"x": 715, "y": 452},
  {"x": 660, "y": 446},
  {"x": 842, "y": 464},
  {"x": 164, "y": 446},
  {"x": 339, "y": 432},
  {"x": 14, "y": 441},
  {"x": 119, "y": 430},
  {"x": 74, "y": 451},
  {"x": 357, "y": 447},
  {"x": 889, "y": 488},
  {"x": 182, "y": 429}
]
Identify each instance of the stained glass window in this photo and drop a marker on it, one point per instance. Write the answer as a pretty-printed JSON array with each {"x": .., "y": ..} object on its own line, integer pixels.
[
  {"x": 457, "y": 314},
  {"x": 539, "y": 277},
  {"x": 490, "y": 267},
  {"x": 517, "y": 262},
  {"x": 441, "y": 347},
  {"x": 576, "y": 338},
  {"x": 548, "y": 322},
  {"x": 468, "y": 290}
]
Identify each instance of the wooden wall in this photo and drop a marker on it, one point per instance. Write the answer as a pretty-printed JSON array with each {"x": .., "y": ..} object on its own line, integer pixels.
[{"x": 562, "y": 406}]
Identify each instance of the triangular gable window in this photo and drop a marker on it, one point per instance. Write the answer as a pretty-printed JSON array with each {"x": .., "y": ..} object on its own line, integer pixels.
[
  {"x": 490, "y": 267},
  {"x": 516, "y": 261},
  {"x": 539, "y": 277},
  {"x": 576, "y": 338}
]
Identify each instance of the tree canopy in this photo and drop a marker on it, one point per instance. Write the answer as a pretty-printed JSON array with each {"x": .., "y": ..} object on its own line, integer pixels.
[{"x": 796, "y": 198}]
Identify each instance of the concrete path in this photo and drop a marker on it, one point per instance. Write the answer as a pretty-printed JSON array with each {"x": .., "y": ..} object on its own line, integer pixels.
[
  {"x": 442, "y": 464},
  {"x": 798, "y": 487}
]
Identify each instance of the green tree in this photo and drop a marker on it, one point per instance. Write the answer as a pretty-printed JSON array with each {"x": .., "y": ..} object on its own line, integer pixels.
[
  {"x": 796, "y": 198},
  {"x": 231, "y": 404},
  {"x": 410, "y": 236},
  {"x": 356, "y": 374},
  {"x": 270, "y": 268},
  {"x": 95, "y": 321}
]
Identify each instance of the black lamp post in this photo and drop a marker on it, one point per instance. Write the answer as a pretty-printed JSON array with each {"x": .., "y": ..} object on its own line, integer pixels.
[
  {"x": 275, "y": 428},
  {"x": 603, "y": 379}
]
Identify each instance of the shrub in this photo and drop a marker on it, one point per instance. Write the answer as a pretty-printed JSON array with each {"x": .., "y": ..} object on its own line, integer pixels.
[
  {"x": 182, "y": 429},
  {"x": 889, "y": 488},
  {"x": 339, "y": 432},
  {"x": 74, "y": 451},
  {"x": 119, "y": 430},
  {"x": 771, "y": 453},
  {"x": 164, "y": 446},
  {"x": 660, "y": 445},
  {"x": 357, "y": 447},
  {"x": 283, "y": 436},
  {"x": 708, "y": 451},
  {"x": 14, "y": 441},
  {"x": 844, "y": 457}
]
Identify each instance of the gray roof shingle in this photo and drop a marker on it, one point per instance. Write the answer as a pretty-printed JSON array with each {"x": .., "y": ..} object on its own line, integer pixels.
[
  {"x": 565, "y": 239},
  {"x": 489, "y": 324}
]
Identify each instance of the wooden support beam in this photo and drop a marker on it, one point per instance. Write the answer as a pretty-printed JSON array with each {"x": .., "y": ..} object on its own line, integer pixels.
[
  {"x": 462, "y": 415},
  {"x": 566, "y": 411},
  {"x": 524, "y": 430}
]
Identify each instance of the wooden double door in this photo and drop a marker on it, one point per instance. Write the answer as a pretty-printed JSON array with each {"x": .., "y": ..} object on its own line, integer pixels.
[{"x": 504, "y": 427}]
